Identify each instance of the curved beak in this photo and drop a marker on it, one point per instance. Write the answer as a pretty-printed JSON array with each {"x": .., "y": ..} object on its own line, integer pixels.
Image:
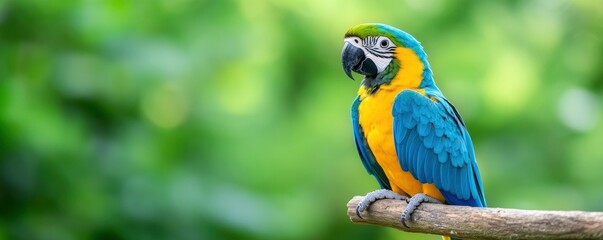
[{"x": 353, "y": 59}]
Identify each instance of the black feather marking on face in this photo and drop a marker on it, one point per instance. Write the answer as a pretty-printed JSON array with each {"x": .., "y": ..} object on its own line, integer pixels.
[{"x": 373, "y": 83}]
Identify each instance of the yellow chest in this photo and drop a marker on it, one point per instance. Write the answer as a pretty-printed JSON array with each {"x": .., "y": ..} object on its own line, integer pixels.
[
  {"x": 376, "y": 120},
  {"x": 377, "y": 124}
]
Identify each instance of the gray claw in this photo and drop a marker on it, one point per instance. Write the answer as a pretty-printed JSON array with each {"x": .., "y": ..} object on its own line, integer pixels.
[
  {"x": 376, "y": 195},
  {"x": 413, "y": 203}
]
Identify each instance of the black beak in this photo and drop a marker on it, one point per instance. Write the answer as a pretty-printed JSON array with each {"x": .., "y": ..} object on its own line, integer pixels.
[{"x": 353, "y": 59}]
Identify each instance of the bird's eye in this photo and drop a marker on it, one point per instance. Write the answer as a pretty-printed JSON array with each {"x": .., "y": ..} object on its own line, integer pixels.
[
  {"x": 356, "y": 40},
  {"x": 384, "y": 43}
]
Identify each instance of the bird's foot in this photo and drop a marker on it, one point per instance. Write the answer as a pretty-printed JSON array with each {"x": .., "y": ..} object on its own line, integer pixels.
[
  {"x": 413, "y": 203},
  {"x": 376, "y": 195}
]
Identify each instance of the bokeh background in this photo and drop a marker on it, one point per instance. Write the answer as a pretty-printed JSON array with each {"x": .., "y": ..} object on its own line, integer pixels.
[{"x": 187, "y": 119}]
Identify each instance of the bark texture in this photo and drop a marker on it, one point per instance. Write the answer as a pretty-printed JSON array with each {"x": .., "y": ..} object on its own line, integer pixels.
[{"x": 482, "y": 223}]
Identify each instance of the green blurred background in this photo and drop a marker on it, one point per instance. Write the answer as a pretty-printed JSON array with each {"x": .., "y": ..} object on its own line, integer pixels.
[{"x": 187, "y": 119}]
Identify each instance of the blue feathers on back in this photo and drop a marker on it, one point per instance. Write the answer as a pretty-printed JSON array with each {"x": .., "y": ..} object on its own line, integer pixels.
[{"x": 433, "y": 144}]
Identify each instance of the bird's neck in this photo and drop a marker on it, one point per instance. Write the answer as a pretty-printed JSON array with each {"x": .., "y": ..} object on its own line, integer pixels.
[{"x": 407, "y": 71}]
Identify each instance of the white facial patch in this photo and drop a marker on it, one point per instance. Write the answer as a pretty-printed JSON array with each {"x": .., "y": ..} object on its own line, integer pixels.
[
  {"x": 372, "y": 43},
  {"x": 380, "y": 62}
]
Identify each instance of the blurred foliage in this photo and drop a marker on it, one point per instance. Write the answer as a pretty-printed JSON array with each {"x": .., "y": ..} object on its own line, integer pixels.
[{"x": 182, "y": 119}]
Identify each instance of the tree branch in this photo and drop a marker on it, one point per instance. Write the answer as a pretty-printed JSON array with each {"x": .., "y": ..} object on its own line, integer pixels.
[{"x": 482, "y": 223}]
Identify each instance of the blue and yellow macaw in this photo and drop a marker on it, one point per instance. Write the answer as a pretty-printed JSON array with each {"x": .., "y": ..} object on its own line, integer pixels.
[{"x": 409, "y": 136}]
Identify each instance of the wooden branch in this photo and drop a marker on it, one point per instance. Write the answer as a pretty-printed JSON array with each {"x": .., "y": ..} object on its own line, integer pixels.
[{"x": 482, "y": 223}]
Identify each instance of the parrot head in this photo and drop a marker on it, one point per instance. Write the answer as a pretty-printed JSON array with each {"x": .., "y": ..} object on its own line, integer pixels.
[{"x": 374, "y": 50}]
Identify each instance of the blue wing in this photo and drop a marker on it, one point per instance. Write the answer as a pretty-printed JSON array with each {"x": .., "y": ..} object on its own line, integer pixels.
[
  {"x": 367, "y": 157},
  {"x": 434, "y": 145}
]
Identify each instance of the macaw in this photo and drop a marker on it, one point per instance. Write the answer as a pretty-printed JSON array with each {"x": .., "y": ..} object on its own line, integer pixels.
[{"x": 408, "y": 135}]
